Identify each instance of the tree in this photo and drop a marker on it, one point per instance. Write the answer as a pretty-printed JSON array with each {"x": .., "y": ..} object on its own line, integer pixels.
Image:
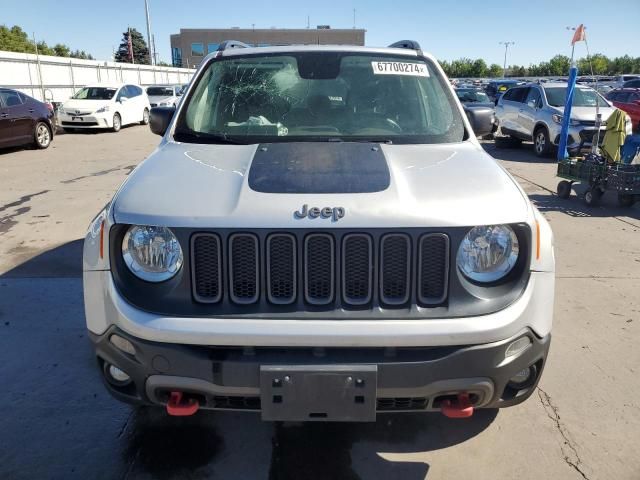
[
  {"x": 559, "y": 65},
  {"x": 140, "y": 50},
  {"x": 479, "y": 68},
  {"x": 495, "y": 70},
  {"x": 61, "y": 50},
  {"x": 14, "y": 39}
]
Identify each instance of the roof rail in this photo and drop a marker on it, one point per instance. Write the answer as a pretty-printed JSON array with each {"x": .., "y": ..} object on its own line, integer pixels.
[
  {"x": 227, "y": 44},
  {"x": 410, "y": 44}
]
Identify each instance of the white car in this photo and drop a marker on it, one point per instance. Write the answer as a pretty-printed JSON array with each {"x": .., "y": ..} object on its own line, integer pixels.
[
  {"x": 105, "y": 106},
  {"x": 164, "y": 95},
  {"x": 319, "y": 236}
]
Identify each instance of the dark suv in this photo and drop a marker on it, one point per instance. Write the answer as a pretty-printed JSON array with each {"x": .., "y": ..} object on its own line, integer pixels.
[{"x": 24, "y": 120}]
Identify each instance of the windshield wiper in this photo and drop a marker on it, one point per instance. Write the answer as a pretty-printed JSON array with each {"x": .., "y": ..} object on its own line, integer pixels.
[{"x": 204, "y": 137}]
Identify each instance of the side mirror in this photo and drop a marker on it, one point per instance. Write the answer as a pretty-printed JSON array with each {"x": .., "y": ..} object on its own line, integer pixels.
[
  {"x": 481, "y": 120},
  {"x": 160, "y": 118},
  {"x": 124, "y": 99}
]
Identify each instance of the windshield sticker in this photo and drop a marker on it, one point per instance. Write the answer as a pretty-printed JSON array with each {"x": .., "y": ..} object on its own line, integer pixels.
[{"x": 400, "y": 68}]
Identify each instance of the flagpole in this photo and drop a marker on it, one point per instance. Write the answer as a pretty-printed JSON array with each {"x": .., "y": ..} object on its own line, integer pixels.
[{"x": 566, "y": 114}]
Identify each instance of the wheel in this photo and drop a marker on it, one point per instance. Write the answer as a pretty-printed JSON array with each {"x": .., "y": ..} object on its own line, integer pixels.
[
  {"x": 541, "y": 142},
  {"x": 117, "y": 123},
  {"x": 145, "y": 117},
  {"x": 625, "y": 200},
  {"x": 564, "y": 189},
  {"x": 42, "y": 135},
  {"x": 592, "y": 196}
]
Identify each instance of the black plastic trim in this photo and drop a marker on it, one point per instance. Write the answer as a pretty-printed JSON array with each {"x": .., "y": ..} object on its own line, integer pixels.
[
  {"x": 447, "y": 266},
  {"x": 464, "y": 299},
  {"x": 196, "y": 296},
  {"x": 347, "y": 299},
  {"x": 408, "y": 283},
  {"x": 294, "y": 295}
]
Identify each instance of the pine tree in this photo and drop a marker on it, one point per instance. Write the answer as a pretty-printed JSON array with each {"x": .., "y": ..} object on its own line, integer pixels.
[{"x": 140, "y": 50}]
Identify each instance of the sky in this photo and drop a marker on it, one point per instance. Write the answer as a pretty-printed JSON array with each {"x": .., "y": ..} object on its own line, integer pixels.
[{"x": 448, "y": 29}]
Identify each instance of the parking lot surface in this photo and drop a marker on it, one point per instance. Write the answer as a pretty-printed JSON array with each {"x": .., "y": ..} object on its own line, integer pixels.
[{"x": 59, "y": 422}]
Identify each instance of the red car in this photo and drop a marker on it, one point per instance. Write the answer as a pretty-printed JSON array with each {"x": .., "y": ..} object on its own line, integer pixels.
[
  {"x": 24, "y": 120},
  {"x": 628, "y": 100}
]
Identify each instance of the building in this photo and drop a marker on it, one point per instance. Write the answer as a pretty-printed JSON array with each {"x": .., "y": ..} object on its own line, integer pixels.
[{"x": 190, "y": 46}]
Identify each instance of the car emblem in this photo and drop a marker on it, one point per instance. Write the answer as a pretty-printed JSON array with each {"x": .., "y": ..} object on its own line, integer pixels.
[{"x": 335, "y": 213}]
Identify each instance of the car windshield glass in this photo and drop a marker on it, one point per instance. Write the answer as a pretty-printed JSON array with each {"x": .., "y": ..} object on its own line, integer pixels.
[
  {"x": 320, "y": 96},
  {"x": 160, "y": 91},
  {"x": 472, "y": 96},
  {"x": 582, "y": 97},
  {"x": 95, "y": 93}
]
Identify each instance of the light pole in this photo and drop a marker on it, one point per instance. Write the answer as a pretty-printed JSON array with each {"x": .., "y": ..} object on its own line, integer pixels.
[
  {"x": 506, "y": 47},
  {"x": 151, "y": 48}
]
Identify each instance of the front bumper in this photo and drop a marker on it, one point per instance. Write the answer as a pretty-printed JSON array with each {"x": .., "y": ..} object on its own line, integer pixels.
[
  {"x": 579, "y": 136},
  {"x": 85, "y": 121},
  {"x": 408, "y": 379}
]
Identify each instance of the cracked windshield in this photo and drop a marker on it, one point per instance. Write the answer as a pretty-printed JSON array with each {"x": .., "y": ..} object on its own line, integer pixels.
[{"x": 322, "y": 96}]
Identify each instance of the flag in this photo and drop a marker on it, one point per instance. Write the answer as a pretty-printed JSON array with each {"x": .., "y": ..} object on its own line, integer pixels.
[
  {"x": 579, "y": 36},
  {"x": 130, "y": 46}
]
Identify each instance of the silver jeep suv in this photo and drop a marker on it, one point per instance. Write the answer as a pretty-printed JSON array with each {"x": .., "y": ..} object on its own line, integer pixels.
[
  {"x": 319, "y": 236},
  {"x": 534, "y": 112}
]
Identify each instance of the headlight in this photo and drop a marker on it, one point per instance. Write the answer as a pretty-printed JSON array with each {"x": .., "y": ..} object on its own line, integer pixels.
[
  {"x": 103, "y": 109},
  {"x": 165, "y": 104},
  {"x": 61, "y": 110},
  {"x": 556, "y": 117},
  {"x": 152, "y": 253},
  {"x": 488, "y": 253}
]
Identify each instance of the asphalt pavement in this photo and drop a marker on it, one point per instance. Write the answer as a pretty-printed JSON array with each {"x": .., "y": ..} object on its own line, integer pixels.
[{"x": 58, "y": 422}]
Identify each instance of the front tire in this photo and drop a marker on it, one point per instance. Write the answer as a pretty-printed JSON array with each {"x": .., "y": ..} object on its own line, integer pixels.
[
  {"x": 541, "y": 142},
  {"x": 564, "y": 189},
  {"x": 145, "y": 117},
  {"x": 42, "y": 136},
  {"x": 117, "y": 123},
  {"x": 593, "y": 196}
]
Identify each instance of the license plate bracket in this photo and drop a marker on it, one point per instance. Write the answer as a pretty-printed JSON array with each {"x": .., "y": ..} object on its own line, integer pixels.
[{"x": 318, "y": 392}]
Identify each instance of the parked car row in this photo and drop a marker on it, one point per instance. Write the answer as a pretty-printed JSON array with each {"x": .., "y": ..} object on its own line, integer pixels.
[
  {"x": 25, "y": 120},
  {"x": 535, "y": 112}
]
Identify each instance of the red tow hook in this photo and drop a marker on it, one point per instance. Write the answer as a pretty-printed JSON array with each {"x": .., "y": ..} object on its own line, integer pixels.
[
  {"x": 178, "y": 409},
  {"x": 462, "y": 408}
]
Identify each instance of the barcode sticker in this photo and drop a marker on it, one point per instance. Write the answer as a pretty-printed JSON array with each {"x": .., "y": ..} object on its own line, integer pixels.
[{"x": 400, "y": 68}]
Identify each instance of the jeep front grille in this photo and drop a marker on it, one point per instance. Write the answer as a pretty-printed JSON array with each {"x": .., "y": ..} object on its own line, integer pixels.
[{"x": 321, "y": 269}]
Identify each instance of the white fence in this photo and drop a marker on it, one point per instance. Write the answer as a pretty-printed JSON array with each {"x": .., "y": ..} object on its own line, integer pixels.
[{"x": 55, "y": 79}]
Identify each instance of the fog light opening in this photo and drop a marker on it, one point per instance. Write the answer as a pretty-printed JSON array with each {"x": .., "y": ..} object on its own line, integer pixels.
[
  {"x": 123, "y": 344},
  {"x": 524, "y": 378},
  {"x": 116, "y": 376}
]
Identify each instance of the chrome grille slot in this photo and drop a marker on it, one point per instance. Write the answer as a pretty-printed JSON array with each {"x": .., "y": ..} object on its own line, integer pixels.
[
  {"x": 357, "y": 268},
  {"x": 395, "y": 268},
  {"x": 319, "y": 268},
  {"x": 243, "y": 268},
  {"x": 206, "y": 267},
  {"x": 281, "y": 268},
  {"x": 433, "y": 268}
]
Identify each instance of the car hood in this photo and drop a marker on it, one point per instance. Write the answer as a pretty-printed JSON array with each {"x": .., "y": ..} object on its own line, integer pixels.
[
  {"x": 85, "y": 106},
  {"x": 193, "y": 185},
  {"x": 587, "y": 113},
  {"x": 160, "y": 98}
]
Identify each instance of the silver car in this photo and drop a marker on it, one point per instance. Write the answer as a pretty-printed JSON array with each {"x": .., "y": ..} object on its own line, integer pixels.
[
  {"x": 319, "y": 236},
  {"x": 534, "y": 112}
]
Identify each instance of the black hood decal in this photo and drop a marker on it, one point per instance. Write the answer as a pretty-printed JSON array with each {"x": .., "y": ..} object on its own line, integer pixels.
[{"x": 327, "y": 167}]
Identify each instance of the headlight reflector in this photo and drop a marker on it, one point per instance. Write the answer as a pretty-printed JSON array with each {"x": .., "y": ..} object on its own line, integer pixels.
[
  {"x": 152, "y": 253},
  {"x": 488, "y": 253},
  {"x": 103, "y": 109}
]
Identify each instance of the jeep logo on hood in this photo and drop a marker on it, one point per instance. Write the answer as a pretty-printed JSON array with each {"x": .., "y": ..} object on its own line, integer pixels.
[{"x": 335, "y": 213}]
